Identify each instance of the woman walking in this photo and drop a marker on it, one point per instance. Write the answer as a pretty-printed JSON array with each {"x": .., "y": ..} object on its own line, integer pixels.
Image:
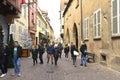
[
  {"x": 34, "y": 55},
  {"x": 66, "y": 50}
]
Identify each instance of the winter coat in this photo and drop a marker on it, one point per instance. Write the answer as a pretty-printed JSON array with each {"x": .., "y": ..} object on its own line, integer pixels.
[
  {"x": 50, "y": 49},
  {"x": 83, "y": 48},
  {"x": 19, "y": 51},
  {"x": 41, "y": 49},
  {"x": 34, "y": 53},
  {"x": 66, "y": 49},
  {"x": 56, "y": 52}
]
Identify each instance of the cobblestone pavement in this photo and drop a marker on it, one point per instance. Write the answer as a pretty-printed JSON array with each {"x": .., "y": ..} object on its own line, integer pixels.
[{"x": 64, "y": 71}]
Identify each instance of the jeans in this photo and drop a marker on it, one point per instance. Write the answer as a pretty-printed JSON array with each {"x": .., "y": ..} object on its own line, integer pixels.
[
  {"x": 83, "y": 60},
  {"x": 17, "y": 65}
]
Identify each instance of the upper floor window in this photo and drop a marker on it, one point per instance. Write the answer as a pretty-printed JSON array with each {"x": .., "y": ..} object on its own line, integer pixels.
[
  {"x": 24, "y": 7},
  {"x": 115, "y": 17},
  {"x": 97, "y": 23},
  {"x": 86, "y": 28}
]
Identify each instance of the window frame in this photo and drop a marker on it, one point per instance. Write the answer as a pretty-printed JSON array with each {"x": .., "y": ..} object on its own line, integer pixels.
[
  {"x": 118, "y": 19},
  {"x": 86, "y": 28},
  {"x": 96, "y": 34}
]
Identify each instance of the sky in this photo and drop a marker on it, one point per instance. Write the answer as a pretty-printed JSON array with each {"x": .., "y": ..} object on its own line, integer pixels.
[{"x": 53, "y": 7}]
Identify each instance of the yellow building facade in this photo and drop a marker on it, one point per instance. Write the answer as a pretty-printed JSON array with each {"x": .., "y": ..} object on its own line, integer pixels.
[
  {"x": 41, "y": 26},
  {"x": 98, "y": 25},
  {"x": 19, "y": 29}
]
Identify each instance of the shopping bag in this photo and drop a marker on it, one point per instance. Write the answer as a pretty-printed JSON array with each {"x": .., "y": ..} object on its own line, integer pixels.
[{"x": 75, "y": 53}]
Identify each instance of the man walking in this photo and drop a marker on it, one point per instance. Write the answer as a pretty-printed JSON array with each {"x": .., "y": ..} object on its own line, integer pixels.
[
  {"x": 83, "y": 50},
  {"x": 41, "y": 50},
  {"x": 17, "y": 51}
]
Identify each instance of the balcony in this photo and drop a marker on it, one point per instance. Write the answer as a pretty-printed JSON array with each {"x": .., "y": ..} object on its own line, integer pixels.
[{"x": 10, "y": 7}]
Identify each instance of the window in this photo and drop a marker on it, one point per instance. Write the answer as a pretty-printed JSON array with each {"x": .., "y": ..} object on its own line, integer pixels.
[
  {"x": 97, "y": 23},
  {"x": 13, "y": 31},
  {"x": 24, "y": 7},
  {"x": 86, "y": 28},
  {"x": 20, "y": 34},
  {"x": 115, "y": 17}
]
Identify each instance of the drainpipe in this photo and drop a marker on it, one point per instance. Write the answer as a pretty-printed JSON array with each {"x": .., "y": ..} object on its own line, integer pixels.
[{"x": 81, "y": 11}]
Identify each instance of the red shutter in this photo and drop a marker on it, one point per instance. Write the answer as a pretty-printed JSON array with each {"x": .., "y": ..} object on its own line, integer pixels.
[{"x": 23, "y": 2}]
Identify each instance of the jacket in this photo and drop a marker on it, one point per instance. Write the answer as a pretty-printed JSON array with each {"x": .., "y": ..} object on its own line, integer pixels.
[
  {"x": 50, "y": 49},
  {"x": 19, "y": 51},
  {"x": 34, "y": 53}
]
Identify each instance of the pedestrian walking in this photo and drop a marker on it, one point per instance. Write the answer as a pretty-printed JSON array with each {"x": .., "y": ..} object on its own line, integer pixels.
[
  {"x": 56, "y": 54},
  {"x": 66, "y": 50},
  {"x": 41, "y": 50},
  {"x": 17, "y": 53},
  {"x": 74, "y": 56},
  {"x": 4, "y": 58},
  {"x": 50, "y": 49},
  {"x": 60, "y": 47},
  {"x": 83, "y": 50},
  {"x": 34, "y": 54}
]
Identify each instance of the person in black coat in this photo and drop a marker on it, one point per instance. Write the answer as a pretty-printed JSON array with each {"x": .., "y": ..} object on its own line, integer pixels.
[
  {"x": 41, "y": 50},
  {"x": 56, "y": 53},
  {"x": 60, "y": 47},
  {"x": 34, "y": 55},
  {"x": 4, "y": 58},
  {"x": 66, "y": 50},
  {"x": 83, "y": 50}
]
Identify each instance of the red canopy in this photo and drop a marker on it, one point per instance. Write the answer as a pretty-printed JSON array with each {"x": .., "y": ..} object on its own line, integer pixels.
[{"x": 22, "y": 1}]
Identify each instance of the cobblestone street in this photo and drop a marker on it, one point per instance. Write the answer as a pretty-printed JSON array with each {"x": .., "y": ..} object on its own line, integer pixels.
[{"x": 64, "y": 71}]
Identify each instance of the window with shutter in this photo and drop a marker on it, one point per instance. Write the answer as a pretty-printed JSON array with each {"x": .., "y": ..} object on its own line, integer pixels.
[
  {"x": 86, "y": 28},
  {"x": 97, "y": 23},
  {"x": 115, "y": 17}
]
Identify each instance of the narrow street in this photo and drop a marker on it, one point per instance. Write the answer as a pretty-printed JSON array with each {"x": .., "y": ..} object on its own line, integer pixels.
[{"x": 64, "y": 71}]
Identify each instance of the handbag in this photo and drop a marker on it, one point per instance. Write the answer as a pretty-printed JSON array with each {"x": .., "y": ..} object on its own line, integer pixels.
[{"x": 75, "y": 53}]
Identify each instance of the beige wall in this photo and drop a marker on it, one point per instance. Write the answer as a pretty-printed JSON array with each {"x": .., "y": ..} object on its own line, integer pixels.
[
  {"x": 106, "y": 45},
  {"x": 72, "y": 16}
]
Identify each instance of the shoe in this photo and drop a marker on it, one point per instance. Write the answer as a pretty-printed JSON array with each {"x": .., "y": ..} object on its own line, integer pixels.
[
  {"x": 3, "y": 75},
  {"x": 85, "y": 65},
  {"x": 75, "y": 66},
  {"x": 19, "y": 75},
  {"x": 81, "y": 64},
  {"x": 52, "y": 62}
]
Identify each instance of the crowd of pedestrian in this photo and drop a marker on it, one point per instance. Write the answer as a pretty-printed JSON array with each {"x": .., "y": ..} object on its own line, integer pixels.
[{"x": 53, "y": 50}]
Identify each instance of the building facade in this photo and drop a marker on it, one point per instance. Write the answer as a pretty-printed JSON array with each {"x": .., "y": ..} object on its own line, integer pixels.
[
  {"x": 9, "y": 9},
  {"x": 99, "y": 27},
  {"x": 41, "y": 26},
  {"x": 63, "y": 4},
  {"x": 19, "y": 29},
  {"x": 72, "y": 32},
  {"x": 32, "y": 18}
]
